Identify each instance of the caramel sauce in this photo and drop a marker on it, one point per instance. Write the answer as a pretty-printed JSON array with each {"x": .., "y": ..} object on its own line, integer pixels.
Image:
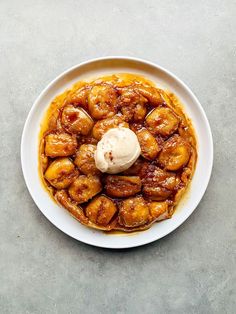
[{"x": 51, "y": 123}]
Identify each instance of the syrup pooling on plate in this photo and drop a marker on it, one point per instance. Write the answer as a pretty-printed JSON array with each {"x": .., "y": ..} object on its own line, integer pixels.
[{"x": 151, "y": 187}]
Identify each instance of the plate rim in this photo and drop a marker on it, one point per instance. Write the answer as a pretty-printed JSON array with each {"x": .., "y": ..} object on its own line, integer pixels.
[{"x": 126, "y": 58}]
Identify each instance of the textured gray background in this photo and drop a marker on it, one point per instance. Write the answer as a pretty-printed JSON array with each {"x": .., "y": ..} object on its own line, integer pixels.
[{"x": 190, "y": 271}]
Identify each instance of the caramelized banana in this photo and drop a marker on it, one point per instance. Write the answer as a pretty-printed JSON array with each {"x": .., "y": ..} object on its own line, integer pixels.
[
  {"x": 62, "y": 198},
  {"x": 101, "y": 210},
  {"x": 162, "y": 121},
  {"x": 76, "y": 120},
  {"x": 54, "y": 121},
  {"x": 148, "y": 144},
  {"x": 132, "y": 105},
  {"x": 151, "y": 188},
  {"x": 152, "y": 94},
  {"x": 84, "y": 188},
  {"x": 44, "y": 162},
  {"x": 175, "y": 153},
  {"x": 134, "y": 112},
  {"x": 135, "y": 169},
  {"x": 133, "y": 212},
  {"x": 156, "y": 192},
  {"x": 102, "y": 101},
  {"x": 157, "y": 183},
  {"x": 102, "y": 126},
  {"x": 159, "y": 210},
  {"x": 60, "y": 144},
  {"x": 84, "y": 159},
  {"x": 122, "y": 186},
  {"x": 188, "y": 170},
  {"x": 43, "y": 159},
  {"x": 80, "y": 97},
  {"x": 89, "y": 139},
  {"x": 61, "y": 173}
]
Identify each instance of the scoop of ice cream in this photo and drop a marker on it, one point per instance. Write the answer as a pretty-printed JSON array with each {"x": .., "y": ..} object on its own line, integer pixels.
[{"x": 117, "y": 150}]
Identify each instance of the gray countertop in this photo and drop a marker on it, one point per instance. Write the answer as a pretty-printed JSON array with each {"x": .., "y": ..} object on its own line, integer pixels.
[{"x": 191, "y": 270}]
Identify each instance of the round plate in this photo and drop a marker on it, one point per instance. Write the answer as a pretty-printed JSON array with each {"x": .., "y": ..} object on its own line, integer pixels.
[{"x": 89, "y": 70}]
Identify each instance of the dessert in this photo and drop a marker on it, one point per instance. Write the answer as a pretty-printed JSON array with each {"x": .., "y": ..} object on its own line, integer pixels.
[{"x": 117, "y": 152}]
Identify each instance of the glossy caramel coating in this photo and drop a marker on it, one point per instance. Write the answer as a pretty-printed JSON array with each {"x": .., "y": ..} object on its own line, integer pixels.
[
  {"x": 60, "y": 144},
  {"x": 132, "y": 105},
  {"x": 135, "y": 169},
  {"x": 122, "y": 186},
  {"x": 61, "y": 173},
  {"x": 134, "y": 212},
  {"x": 158, "y": 184},
  {"x": 84, "y": 188},
  {"x": 76, "y": 120},
  {"x": 162, "y": 121},
  {"x": 76, "y": 211},
  {"x": 102, "y": 126},
  {"x": 102, "y": 101},
  {"x": 175, "y": 153},
  {"x": 152, "y": 187},
  {"x": 101, "y": 210},
  {"x": 79, "y": 97},
  {"x": 152, "y": 94},
  {"x": 54, "y": 121},
  {"x": 84, "y": 159},
  {"x": 148, "y": 144},
  {"x": 159, "y": 210}
]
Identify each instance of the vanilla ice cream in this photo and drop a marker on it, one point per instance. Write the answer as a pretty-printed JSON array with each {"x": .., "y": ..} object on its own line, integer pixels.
[{"x": 117, "y": 150}]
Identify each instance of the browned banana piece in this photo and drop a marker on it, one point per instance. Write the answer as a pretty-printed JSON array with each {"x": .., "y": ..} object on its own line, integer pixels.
[
  {"x": 102, "y": 101},
  {"x": 76, "y": 120},
  {"x": 60, "y": 144},
  {"x": 84, "y": 188},
  {"x": 175, "y": 153},
  {"x": 162, "y": 121},
  {"x": 133, "y": 212},
  {"x": 101, "y": 210},
  {"x": 61, "y": 173},
  {"x": 122, "y": 186}
]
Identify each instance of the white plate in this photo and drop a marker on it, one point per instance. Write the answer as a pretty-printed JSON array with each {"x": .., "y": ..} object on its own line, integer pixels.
[{"x": 95, "y": 68}]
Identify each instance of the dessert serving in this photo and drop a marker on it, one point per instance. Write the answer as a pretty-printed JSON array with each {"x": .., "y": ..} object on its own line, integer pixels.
[{"x": 117, "y": 152}]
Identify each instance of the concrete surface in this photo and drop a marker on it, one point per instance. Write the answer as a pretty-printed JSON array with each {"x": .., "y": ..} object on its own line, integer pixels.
[{"x": 190, "y": 271}]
